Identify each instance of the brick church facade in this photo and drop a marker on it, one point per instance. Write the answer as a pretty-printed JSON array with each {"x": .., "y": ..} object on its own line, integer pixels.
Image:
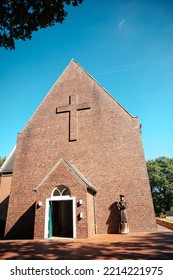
[{"x": 80, "y": 150}]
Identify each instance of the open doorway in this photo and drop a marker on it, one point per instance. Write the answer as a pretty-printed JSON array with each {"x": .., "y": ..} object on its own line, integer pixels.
[{"x": 61, "y": 218}]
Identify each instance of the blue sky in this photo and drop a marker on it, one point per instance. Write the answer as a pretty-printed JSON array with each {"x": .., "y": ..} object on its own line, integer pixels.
[{"x": 127, "y": 46}]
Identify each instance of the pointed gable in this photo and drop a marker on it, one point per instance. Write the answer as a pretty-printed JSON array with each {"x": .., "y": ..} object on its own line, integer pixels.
[
  {"x": 73, "y": 77},
  {"x": 71, "y": 169}
]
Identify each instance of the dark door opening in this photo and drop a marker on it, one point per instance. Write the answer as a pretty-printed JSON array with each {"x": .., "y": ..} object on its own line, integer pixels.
[{"x": 62, "y": 218}]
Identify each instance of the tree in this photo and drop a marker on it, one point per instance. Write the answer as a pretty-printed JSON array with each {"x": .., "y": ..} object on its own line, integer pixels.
[
  {"x": 2, "y": 160},
  {"x": 18, "y": 19},
  {"x": 160, "y": 173}
]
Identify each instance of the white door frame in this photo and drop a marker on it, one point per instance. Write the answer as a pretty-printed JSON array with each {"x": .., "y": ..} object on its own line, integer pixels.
[{"x": 60, "y": 198}]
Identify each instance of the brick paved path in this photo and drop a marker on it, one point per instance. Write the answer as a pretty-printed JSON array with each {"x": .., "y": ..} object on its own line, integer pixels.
[{"x": 156, "y": 245}]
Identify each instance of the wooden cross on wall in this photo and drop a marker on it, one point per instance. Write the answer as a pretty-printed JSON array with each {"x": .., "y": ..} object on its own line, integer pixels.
[{"x": 72, "y": 108}]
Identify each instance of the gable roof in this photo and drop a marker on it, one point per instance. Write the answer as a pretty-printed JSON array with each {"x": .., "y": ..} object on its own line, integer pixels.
[
  {"x": 7, "y": 166},
  {"x": 73, "y": 60},
  {"x": 74, "y": 170},
  {"x": 9, "y": 162}
]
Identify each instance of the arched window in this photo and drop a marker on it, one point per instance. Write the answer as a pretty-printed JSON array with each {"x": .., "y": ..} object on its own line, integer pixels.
[{"x": 61, "y": 191}]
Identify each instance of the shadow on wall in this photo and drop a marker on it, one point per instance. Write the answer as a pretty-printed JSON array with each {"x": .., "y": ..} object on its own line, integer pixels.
[
  {"x": 3, "y": 215},
  {"x": 113, "y": 220},
  {"x": 24, "y": 227}
]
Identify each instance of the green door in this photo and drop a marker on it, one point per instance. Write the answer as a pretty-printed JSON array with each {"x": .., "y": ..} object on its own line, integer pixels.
[{"x": 50, "y": 222}]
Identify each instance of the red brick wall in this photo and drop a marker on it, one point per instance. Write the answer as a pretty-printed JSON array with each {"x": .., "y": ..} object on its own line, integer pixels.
[
  {"x": 5, "y": 186},
  {"x": 108, "y": 152},
  {"x": 91, "y": 213}
]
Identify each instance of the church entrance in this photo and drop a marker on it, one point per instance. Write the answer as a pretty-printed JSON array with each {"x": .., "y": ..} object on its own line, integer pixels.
[{"x": 60, "y": 218}]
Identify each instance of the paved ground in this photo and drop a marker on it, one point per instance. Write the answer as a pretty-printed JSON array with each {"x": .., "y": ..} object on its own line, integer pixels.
[{"x": 157, "y": 245}]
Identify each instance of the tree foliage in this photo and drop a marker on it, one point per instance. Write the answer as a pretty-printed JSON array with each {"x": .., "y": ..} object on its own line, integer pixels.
[
  {"x": 2, "y": 160},
  {"x": 160, "y": 173},
  {"x": 18, "y": 19}
]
